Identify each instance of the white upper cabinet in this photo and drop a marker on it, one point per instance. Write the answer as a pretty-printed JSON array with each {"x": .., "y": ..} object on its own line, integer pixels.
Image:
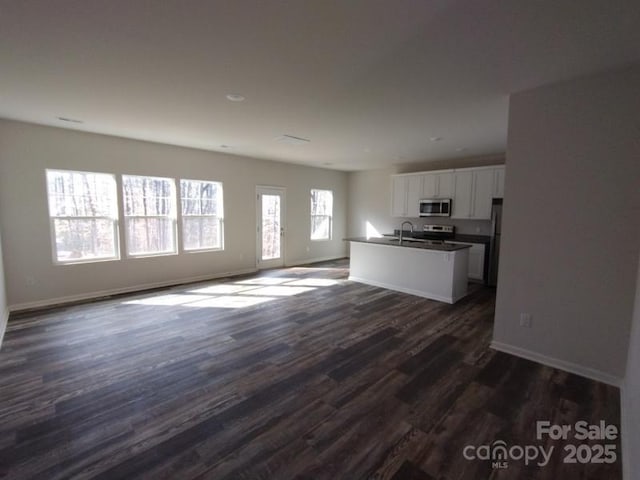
[
  {"x": 482, "y": 194},
  {"x": 498, "y": 182},
  {"x": 445, "y": 184},
  {"x": 406, "y": 192},
  {"x": 472, "y": 191},
  {"x": 463, "y": 194},
  {"x": 399, "y": 196},
  {"x": 414, "y": 194},
  {"x": 430, "y": 182},
  {"x": 438, "y": 185}
]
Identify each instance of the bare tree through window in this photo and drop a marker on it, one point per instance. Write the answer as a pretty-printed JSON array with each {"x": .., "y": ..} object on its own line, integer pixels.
[
  {"x": 149, "y": 212},
  {"x": 202, "y": 214},
  {"x": 270, "y": 227},
  {"x": 83, "y": 209},
  {"x": 321, "y": 214}
]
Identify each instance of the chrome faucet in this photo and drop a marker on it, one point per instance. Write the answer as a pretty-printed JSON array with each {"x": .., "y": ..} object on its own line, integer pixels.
[{"x": 402, "y": 227}]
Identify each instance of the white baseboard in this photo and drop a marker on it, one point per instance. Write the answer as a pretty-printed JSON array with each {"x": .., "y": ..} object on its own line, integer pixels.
[
  {"x": 571, "y": 367},
  {"x": 117, "y": 291},
  {"x": 404, "y": 290},
  {"x": 4, "y": 319},
  {"x": 312, "y": 260}
]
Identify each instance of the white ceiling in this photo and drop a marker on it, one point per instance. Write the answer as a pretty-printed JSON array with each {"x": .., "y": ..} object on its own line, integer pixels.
[{"x": 369, "y": 82}]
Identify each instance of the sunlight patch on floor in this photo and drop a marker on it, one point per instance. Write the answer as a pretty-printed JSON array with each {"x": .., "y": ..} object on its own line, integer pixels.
[
  {"x": 265, "y": 281},
  {"x": 237, "y": 294},
  {"x": 278, "y": 291},
  {"x": 228, "y": 301},
  {"x": 168, "y": 300}
]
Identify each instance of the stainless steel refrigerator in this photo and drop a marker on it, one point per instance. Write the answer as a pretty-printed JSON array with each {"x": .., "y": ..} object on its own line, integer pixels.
[{"x": 496, "y": 220}]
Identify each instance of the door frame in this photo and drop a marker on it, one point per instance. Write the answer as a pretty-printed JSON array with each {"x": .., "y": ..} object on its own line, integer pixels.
[{"x": 275, "y": 190}]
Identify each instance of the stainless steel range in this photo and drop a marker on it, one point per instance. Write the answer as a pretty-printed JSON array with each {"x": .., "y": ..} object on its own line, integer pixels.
[{"x": 438, "y": 232}]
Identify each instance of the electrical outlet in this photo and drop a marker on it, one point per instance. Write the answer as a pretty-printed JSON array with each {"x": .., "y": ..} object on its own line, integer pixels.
[
  {"x": 308, "y": 248},
  {"x": 30, "y": 281},
  {"x": 526, "y": 320}
]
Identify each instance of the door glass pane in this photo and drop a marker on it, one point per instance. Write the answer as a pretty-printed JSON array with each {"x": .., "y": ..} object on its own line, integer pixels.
[{"x": 270, "y": 227}]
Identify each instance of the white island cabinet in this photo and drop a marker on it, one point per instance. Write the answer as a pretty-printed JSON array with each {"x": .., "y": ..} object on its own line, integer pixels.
[{"x": 436, "y": 274}]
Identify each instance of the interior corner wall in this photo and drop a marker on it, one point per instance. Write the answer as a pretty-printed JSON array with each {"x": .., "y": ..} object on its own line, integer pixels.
[
  {"x": 28, "y": 150},
  {"x": 631, "y": 397},
  {"x": 571, "y": 229},
  {"x": 370, "y": 203}
]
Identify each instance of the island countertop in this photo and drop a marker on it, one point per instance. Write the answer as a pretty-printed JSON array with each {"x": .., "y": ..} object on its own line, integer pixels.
[{"x": 410, "y": 243}]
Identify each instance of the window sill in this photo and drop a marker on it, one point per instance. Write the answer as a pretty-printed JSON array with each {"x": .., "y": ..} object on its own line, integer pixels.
[
  {"x": 204, "y": 250},
  {"x": 151, "y": 255},
  {"x": 86, "y": 261}
]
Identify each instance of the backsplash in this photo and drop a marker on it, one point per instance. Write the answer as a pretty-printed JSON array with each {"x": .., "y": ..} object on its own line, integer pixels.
[{"x": 468, "y": 227}]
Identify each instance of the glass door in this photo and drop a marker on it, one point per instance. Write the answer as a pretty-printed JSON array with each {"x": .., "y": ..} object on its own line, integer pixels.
[{"x": 270, "y": 241}]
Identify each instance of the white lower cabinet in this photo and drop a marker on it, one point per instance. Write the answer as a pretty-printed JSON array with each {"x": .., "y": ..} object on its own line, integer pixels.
[{"x": 476, "y": 260}]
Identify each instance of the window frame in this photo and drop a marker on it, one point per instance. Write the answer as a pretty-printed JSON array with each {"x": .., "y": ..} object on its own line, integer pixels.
[
  {"x": 114, "y": 220},
  {"x": 172, "y": 217},
  {"x": 219, "y": 218},
  {"x": 312, "y": 215}
]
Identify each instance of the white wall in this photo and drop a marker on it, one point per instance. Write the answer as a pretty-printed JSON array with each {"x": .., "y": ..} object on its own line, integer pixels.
[
  {"x": 27, "y": 150},
  {"x": 370, "y": 203},
  {"x": 631, "y": 397},
  {"x": 571, "y": 229}
]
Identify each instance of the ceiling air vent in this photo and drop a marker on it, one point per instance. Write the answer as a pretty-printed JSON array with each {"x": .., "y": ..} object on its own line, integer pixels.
[{"x": 291, "y": 140}]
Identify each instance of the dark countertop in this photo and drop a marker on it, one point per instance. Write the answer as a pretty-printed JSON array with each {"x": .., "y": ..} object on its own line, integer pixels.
[
  {"x": 461, "y": 237},
  {"x": 409, "y": 243},
  {"x": 458, "y": 237}
]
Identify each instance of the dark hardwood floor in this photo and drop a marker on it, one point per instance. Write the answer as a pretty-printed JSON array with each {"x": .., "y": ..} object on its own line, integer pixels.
[{"x": 293, "y": 373}]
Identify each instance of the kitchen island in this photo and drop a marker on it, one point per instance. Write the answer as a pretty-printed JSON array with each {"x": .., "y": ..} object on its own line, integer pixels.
[{"x": 434, "y": 270}]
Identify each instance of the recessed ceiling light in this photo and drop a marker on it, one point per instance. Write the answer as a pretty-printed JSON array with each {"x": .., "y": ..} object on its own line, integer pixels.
[
  {"x": 70, "y": 120},
  {"x": 291, "y": 140},
  {"x": 435, "y": 139},
  {"x": 461, "y": 149},
  {"x": 234, "y": 97},
  {"x": 225, "y": 146},
  {"x": 327, "y": 163}
]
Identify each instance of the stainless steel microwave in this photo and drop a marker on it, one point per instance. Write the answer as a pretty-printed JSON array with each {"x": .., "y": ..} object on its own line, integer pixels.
[{"x": 435, "y": 207}]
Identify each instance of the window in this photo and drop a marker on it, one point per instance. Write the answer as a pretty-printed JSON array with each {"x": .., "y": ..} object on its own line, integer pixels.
[
  {"x": 202, "y": 215},
  {"x": 321, "y": 214},
  {"x": 150, "y": 215},
  {"x": 83, "y": 211}
]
